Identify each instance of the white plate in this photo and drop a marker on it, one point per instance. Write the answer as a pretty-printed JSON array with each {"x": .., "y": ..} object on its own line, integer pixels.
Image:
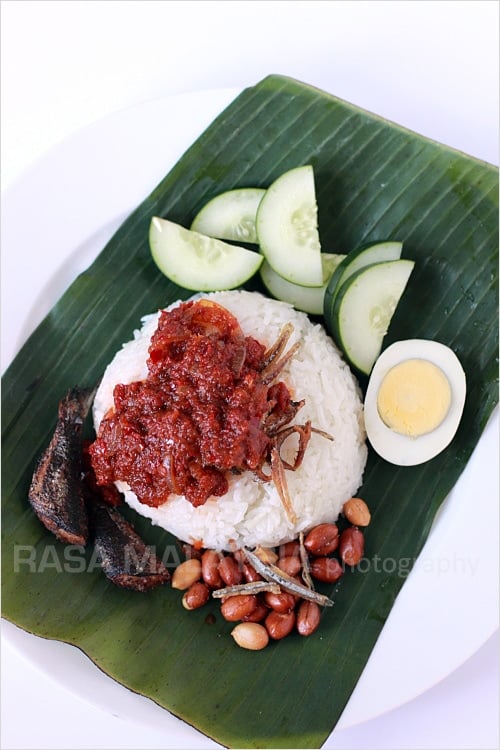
[{"x": 56, "y": 218}]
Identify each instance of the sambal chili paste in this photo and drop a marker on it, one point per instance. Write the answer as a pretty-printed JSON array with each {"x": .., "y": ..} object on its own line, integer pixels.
[{"x": 201, "y": 412}]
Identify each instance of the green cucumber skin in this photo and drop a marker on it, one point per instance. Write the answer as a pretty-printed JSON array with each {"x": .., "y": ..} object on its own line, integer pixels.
[
  {"x": 334, "y": 323},
  {"x": 394, "y": 249}
]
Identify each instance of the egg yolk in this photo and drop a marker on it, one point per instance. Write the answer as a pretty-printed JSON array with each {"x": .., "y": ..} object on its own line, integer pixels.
[{"x": 414, "y": 397}]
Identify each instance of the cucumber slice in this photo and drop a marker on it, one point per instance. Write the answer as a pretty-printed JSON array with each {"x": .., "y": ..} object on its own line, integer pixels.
[
  {"x": 200, "y": 263},
  {"x": 365, "y": 255},
  {"x": 287, "y": 228},
  {"x": 364, "y": 307},
  {"x": 230, "y": 215},
  {"x": 309, "y": 299}
]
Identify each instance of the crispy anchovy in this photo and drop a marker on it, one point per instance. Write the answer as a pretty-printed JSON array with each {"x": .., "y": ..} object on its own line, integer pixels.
[
  {"x": 253, "y": 587},
  {"x": 278, "y": 347},
  {"x": 278, "y": 475},
  {"x": 265, "y": 554},
  {"x": 125, "y": 559},
  {"x": 56, "y": 492},
  {"x": 272, "y": 370},
  {"x": 324, "y": 434},
  {"x": 304, "y": 559},
  {"x": 275, "y": 575}
]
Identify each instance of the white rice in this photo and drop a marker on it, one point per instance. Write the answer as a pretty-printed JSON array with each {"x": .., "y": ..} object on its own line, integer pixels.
[{"x": 251, "y": 512}]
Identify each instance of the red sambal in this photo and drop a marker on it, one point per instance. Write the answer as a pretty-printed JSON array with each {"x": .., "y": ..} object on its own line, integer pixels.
[{"x": 205, "y": 409}]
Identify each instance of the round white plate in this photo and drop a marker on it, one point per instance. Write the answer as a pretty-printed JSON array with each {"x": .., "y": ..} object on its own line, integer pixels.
[{"x": 56, "y": 219}]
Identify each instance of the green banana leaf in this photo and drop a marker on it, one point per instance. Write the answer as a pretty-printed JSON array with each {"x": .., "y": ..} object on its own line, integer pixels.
[{"x": 374, "y": 180}]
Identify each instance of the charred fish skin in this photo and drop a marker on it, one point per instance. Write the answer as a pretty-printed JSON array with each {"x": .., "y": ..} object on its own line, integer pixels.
[
  {"x": 125, "y": 559},
  {"x": 56, "y": 492}
]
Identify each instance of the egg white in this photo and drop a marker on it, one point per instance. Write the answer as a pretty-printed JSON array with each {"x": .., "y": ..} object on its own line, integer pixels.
[{"x": 400, "y": 449}]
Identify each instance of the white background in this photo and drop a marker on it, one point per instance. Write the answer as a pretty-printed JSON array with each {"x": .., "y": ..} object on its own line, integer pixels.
[{"x": 431, "y": 66}]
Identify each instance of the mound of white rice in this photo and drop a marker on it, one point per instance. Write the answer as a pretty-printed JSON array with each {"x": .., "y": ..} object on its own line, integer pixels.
[{"x": 251, "y": 512}]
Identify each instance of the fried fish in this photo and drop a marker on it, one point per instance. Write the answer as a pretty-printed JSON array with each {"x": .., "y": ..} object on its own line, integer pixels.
[
  {"x": 125, "y": 559},
  {"x": 56, "y": 492}
]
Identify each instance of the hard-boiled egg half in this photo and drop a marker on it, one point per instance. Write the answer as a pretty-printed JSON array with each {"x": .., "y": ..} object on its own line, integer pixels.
[{"x": 414, "y": 401}]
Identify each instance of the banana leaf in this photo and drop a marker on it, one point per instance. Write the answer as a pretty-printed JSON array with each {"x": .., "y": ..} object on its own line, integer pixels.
[{"x": 374, "y": 180}]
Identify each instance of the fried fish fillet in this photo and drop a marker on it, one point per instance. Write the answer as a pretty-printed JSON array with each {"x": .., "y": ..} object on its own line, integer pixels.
[
  {"x": 56, "y": 492},
  {"x": 125, "y": 559}
]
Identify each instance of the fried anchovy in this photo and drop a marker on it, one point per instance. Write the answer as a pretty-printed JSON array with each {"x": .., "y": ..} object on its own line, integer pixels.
[
  {"x": 56, "y": 492},
  {"x": 277, "y": 349},
  {"x": 304, "y": 559},
  {"x": 324, "y": 434},
  {"x": 278, "y": 475},
  {"x": 275, "y": 575},
  {"x": 125, "y": 559},
  {"x": 254, "y": 587}
]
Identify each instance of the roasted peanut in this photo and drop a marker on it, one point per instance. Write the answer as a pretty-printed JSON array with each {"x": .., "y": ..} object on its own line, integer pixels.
[
  {"x": 258, "y": 614},
  {"x": 196, "y": 596},
  {"x": 290, "y": 564},
  {"x": 352, "y": 545},
  {"x": 186, "y": 574},
  {"x": 308, "y": 617},
  {"x": 322, "y": 539},
  {"x": 290, "y": 549},
  {"x": 279, "y": 625},
  {"x": 210, "y": 560},
  {"x": 189, "y": 551},
  {"x": 356, "y": 511},
  {"x": 230, "y": 571},
  {"x": 326, "y": 569},
  {"x": 283, "y": 602},
  {"x": 239, "y": 556},
  {"x": 250, "y": 635},
  {"x": 236, "y": 607},
  {"x": 250, "y": 574}
]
